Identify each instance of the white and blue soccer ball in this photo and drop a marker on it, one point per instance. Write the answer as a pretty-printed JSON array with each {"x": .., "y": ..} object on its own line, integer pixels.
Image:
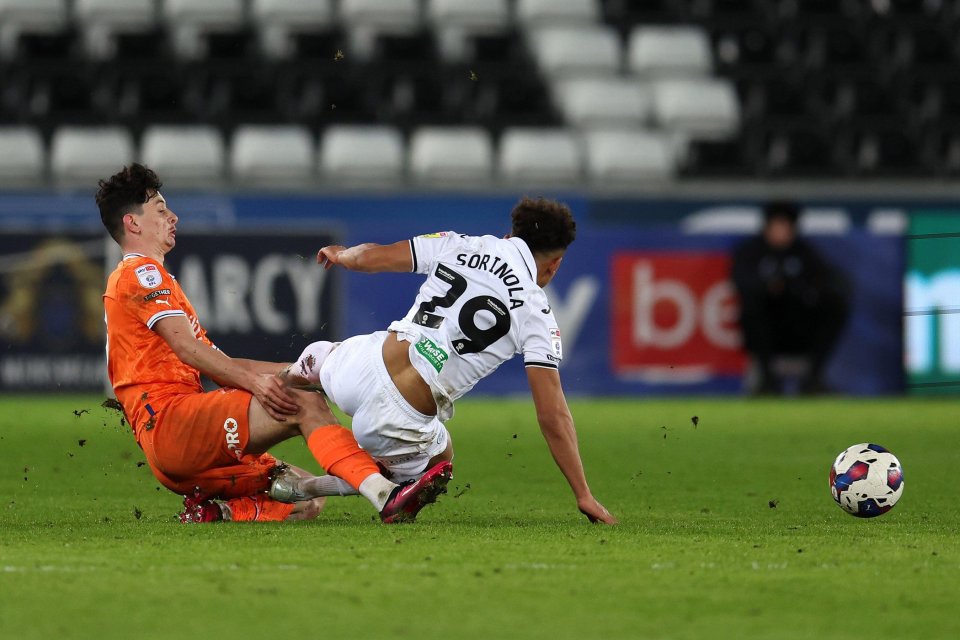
[{"x": 866, "y": 480}]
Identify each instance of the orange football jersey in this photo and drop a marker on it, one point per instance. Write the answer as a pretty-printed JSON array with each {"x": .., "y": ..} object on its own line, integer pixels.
[{"x": 143, "y": 369}]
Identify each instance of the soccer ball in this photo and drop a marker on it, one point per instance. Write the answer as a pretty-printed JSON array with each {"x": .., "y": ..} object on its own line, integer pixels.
[{"x": 866, "y": 480}]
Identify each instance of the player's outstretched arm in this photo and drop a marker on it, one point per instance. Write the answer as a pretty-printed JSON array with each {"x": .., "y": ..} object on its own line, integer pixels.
[
  {"x": 369, "y": 257},
  {"x": 269, "y": 390},
  {"x": 556, "y": 424}
]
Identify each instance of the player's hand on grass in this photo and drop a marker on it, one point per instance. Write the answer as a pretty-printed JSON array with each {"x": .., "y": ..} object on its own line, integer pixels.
[
  {"x": 595, "y": 512},
  {"x": 330, "y": 255},
  {"x": 275, "y": 397}
]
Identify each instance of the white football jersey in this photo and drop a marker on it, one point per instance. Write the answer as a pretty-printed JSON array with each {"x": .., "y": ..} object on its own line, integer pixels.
[{"x": 479, "y": 306}]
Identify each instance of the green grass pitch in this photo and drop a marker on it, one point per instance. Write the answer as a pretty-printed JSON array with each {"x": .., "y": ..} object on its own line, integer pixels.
[{"x": 727, "y": 531}]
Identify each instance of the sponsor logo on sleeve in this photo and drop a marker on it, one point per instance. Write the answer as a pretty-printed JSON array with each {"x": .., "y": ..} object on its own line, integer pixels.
[
  {"x": 156, "y": 294},
  {"x": 149, "y": 276},
  {"x": 557, "y": 344},
  {"x": 439, "y": 234}
]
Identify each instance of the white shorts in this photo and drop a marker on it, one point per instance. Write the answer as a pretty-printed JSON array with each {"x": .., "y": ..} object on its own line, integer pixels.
[{"x": 398, "y": 436}]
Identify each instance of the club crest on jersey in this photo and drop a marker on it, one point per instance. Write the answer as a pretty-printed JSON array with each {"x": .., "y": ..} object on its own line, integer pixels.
[
  {"x": 439, "y": 234},
  {"x": 149, "y": 276},
  {"x": 557, "y": 344}
]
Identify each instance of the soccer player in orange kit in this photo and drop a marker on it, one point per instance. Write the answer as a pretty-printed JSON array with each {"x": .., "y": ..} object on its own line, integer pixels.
[{"x": 213, "y": 445}]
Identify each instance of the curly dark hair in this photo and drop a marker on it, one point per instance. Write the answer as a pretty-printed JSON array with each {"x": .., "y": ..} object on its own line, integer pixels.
[
  {"x": 123, "y": 191},
  {"x": 545, "y": 225}
]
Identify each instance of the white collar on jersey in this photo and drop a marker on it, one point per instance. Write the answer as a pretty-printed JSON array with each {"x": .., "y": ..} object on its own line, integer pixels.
[
  {"x": 132, "y": 255},
  {"x": 527, "y": 256}
]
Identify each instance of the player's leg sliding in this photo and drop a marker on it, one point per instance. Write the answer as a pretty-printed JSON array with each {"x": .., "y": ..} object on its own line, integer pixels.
[
  {"x": 337, "y": 451},
  {"x": 305, "y": 372}
]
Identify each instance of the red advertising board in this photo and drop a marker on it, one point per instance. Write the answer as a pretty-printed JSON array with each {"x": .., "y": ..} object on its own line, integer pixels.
[{"x": 674, "y": 316}]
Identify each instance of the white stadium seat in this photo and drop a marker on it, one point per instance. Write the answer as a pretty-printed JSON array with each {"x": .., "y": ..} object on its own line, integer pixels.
[
  {"x": 362, "y": 154},
  {"x": 628, "y": 156},
  {"x": 189, "y": 20},
  {"x": 102, "y": 20},
  {"x": 888, "y": 222},
  {"x": 29, "y": 16},
  {"x": 536, "y": 13},
  {"x": 699, "y": 108},
  {"x": 454, "y": 20},
  {"x": 82, "y": 155},
  {"x": 669, "y": 51},
  {"x": 744, "y": 220},
  {"x": 824, "y": 222},
  {"x": 590, "y": 102},
  {"x": 184, "y": 155},
  {"x": 536, "y": 156},
  {"x": 383, "y": 15},
  {"x": 277, "y": 20},
  {"x": 472, "y": 15},
  {"x": 584, "y": 51},
  {"x": 268, "y": 155},
  {"x": 451, "y": 154},
  {"x": 365, "y": 19},
  {"x": 21, "y": 156}
]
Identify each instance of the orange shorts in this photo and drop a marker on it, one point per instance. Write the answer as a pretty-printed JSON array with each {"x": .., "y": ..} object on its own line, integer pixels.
[{"x": 199, "y": 441}]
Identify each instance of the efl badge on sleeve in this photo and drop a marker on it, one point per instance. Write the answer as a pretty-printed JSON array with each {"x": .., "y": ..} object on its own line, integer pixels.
[
  {"x": 149, "y": 275},
  {"x": 557, "y": 345}
]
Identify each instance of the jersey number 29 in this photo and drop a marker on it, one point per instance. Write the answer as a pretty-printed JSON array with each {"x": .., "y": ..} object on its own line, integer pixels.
[{"x": 477, "y": 339}]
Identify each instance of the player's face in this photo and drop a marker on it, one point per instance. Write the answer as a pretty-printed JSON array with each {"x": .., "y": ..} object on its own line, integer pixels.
[{"x": 158, "y": 223}]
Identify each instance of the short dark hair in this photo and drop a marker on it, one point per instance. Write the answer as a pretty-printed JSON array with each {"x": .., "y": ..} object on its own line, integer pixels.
[
  {"x": 785, "y": 209},
  {"x": 545, "y": 225},
  {"x": 123, "y": 191}
]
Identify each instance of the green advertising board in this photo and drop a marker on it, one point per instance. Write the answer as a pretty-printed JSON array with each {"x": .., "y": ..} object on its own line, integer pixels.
[{"x": 932, "y": 302}]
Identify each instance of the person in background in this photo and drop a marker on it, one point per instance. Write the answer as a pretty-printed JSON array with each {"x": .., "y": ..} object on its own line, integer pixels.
[{"x": 792, "y": 301}]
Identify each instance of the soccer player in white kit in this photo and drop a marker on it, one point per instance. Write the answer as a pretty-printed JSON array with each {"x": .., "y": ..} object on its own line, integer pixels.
[{"x": 481, "y": 303}]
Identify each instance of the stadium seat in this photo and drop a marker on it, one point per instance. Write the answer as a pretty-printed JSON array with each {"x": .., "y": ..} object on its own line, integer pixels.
[
  {"x": 625, "y": 14},
  {"x": 824, "y": 222},
  {"x": 534, "y": 156},
  {"x": 386, "y": 15},
  {"x": 279, "y": 22},
  {"x": 716, "y": 159},
  {"x": 184, "y": 155},
  {"x": 669, "y": 51},
  {"x": 887, "y": 222},
  {"x": 585, "y": 51},
  {"x": 453, "y": 155},
  {"x": 739, "y": 220},
  {"x": 458, "y": 22},
  {"x": 628, "y": 156},
  {"x": 796, "y": 151},
  {"x": 82, "y": 155},
  {"x": 146, "y": 94},
  {"x": 370, "y": 154},
  {"x": 366, "y": 20},
  {"x": 890, "y": 151},
  {"x": 744, "y": 51},
  {"x": 699, "y": 108},
  {"x": 29, "y": 16},
  {"x": 469, "y": 15},
  {"x": 104, "y": 21},
  {"x": 22, "y": 161},
  {"x": 194, "y": 25},
  {"x": 272, "y": 155},
  {"x": 587, "y": 102},
  {"x": 538, "y": 13}
]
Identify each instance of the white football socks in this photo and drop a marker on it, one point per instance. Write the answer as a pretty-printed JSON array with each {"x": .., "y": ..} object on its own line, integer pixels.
[
  {"x": 377, "y": 490},
  {"x": 327, "y": 486},
  {"x": 311, "y": 360}
]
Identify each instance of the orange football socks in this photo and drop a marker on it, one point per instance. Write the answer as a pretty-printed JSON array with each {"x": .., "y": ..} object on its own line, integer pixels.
[{"x": 339, "y": 454}]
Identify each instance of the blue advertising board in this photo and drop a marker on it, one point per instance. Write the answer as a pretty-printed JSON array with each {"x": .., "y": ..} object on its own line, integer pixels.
[{"x": 637, "y": 300}]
